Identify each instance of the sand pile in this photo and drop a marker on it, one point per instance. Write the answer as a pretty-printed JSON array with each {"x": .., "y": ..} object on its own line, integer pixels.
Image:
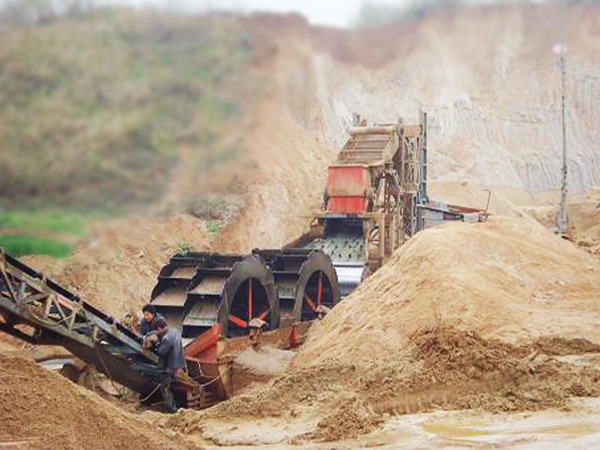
[
  {"x": 508, "y": 279},
  {"x": 501, "y": 316},
  {"x": 461, "y": 370},
  {"x": 10, "y": 343},
  {"x": 348, "y": 420},
  {"x": 265, "y": 361},
  {"x": 43, "y": 410},
  {"x": 254, "y": 367},
  {"x": 583, "y": 214},
  {"x": 584, "y": 218}
]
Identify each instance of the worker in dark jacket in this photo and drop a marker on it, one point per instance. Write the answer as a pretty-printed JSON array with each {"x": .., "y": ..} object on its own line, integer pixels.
[
  {"x": 171, "y": 361},
  {"x": 147, "y": 324}
]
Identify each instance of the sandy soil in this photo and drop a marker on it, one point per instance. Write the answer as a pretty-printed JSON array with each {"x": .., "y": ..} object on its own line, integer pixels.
[
  {"x": 42, "y": 410},
  {"x": 584, "y": 218},
  {"x": 286, "y": 176},
  {"x": 575, "y": 427},
  {"x": 446, "y": 370}
]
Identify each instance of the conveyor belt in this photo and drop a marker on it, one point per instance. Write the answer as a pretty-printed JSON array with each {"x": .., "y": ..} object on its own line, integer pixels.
[{"x": 39, "y": 310}]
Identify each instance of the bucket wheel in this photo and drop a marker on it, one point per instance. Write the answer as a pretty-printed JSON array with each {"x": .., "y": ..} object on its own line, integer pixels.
[
  {"x": 248, "y": 293},
  {"x": 317, "y": 286}
]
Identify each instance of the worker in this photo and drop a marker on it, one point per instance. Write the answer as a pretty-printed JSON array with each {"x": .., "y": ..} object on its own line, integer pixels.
[
  {"x": 170, "y": 361},
  {"x": 147, "y": 328},
  {"x": 147, "y": 324}
]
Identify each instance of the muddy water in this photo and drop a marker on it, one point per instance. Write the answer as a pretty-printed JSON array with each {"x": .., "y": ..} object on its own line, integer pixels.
[{"x": 578, "y": 428}]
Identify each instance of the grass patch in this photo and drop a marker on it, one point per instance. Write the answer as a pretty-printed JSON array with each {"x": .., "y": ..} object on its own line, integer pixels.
[
  {"x": 56, "y": 221},
  {"x": 18, "y": 245},
  {"x": 183, "y": 247},
  {"x": 212, "y": 226}
]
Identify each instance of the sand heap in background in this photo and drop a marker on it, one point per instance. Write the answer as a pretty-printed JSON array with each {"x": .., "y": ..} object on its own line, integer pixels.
[
  {"x": 117, "y": 267},
  {"x": 584, "y": 213},
  {"x": 508, "y": 278},
  {"x": 43, "y": 410},
  {"x": 584, "y": 218}
]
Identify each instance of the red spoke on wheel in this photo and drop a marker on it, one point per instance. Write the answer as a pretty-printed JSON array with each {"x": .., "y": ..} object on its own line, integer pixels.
[
  {"x": 320, "y": 287},
  {"x": 263, "y": 315},
  {"x": 250, "y": 299},
  {"x": 310, "y": 303},
  {"x": 239, "y": 322}
]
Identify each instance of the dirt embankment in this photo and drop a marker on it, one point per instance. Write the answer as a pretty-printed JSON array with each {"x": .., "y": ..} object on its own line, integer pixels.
[
  {"x": 486, "y": 77},
  {"x": 43, "y": 410},
  {"x": 490, "y": 83},
  {"x": 285, "y": 161}
]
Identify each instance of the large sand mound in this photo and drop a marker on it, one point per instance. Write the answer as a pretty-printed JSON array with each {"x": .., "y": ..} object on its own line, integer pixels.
[
  {"x": 501, "y": 315},
  {"x": 43, "y": 410},
  {"x": 508, "y": 278}
]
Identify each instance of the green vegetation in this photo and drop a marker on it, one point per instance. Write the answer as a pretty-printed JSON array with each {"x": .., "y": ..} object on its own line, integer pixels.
[
  {"x": 213, "y": 226},
  {"x": 96, "y": 108},
  {"x": 19, "y": 245},
  {"x": 42, "y": 232},
  {"x": 102, "y": 108},
  {"x": 183, "y": 247},
  {"x": 55, "y": 221}
]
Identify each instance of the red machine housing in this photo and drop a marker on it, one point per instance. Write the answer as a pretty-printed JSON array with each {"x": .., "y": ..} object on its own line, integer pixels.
[{"x": 347, "y": 188}]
